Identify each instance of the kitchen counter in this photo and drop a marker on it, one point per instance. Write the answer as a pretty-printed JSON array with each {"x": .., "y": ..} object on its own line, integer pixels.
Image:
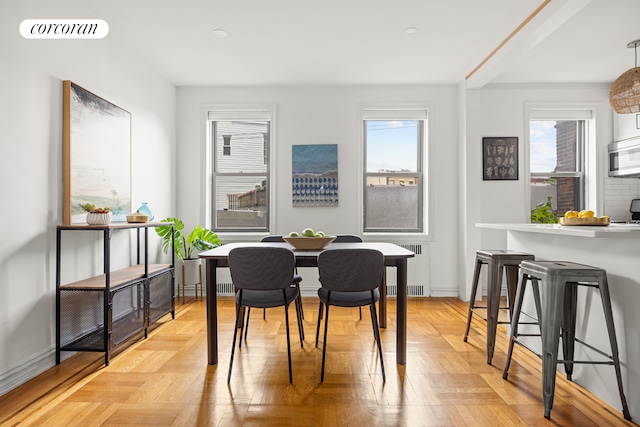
[
  {"x": 610, "y": 231},
  {"x": 615, "y": 248}
]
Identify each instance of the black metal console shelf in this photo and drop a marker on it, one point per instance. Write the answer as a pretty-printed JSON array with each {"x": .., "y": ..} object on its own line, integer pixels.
[{"x": 101, "y": 312}]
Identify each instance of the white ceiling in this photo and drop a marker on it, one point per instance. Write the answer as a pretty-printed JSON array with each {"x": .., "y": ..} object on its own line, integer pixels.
[{"x": 336, "y": 42}]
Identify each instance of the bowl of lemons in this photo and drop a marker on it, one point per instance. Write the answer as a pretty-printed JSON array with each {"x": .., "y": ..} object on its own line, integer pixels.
[
  {"x": 308, "y": 240},
  {"x": 584, "y": 217}
]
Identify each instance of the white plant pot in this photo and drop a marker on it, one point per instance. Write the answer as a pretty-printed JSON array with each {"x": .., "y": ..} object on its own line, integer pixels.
[
  {"x": 191, "y": 271},
  {"x": 191, "y": 277},
  {"x": 98, "y": 218}
]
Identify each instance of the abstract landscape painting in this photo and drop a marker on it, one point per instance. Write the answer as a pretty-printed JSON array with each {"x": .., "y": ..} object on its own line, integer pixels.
[{"x": 97, "y": 154}]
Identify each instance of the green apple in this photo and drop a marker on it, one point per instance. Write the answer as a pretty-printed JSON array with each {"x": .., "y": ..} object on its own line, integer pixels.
[
  {"x": 294, "y": 234},
  {"x": 308, "y": 232},
  {"x": 319, "y": 234}
]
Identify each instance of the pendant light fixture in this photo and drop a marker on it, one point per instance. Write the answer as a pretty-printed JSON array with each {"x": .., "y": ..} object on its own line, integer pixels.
[{"x": 624, "y": 96}]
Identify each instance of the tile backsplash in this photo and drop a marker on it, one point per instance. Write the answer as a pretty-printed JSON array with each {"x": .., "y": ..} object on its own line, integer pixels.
[{"x": 618, "y": 193}]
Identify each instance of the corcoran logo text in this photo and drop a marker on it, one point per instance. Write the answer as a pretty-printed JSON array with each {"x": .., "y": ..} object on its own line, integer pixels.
[{"x": 64, "y": 29}]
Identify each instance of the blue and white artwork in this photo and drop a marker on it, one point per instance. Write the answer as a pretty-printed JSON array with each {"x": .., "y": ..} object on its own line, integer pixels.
[{"x": 314, "y": 179}]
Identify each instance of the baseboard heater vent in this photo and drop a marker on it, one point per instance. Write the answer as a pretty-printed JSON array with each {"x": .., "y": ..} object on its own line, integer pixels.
[
  {"x": 392, "y": 290},
  {"x": 416, "y": 249},
  {"x": 412, "y": 290},
  {"x": 226, "y": 289}
]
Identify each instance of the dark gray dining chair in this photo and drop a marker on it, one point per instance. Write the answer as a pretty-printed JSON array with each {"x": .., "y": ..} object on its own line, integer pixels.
[
  {"x": 350, "y": 278},
  {"x": 262, "y": 277},
  {"x": 296, "y": 282},
  {"x": 349, "y": 238}
]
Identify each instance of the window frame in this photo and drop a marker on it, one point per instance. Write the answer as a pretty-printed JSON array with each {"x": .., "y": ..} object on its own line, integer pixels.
[
  {"x": 226, "y": 145},
  {"x": 237, "y": 112},
  {"x": 586, "y": 151},
  {"x": 418, "y": 112}
]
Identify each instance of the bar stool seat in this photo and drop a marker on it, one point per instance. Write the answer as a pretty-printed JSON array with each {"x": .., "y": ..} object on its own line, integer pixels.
[
  {"x": 498, "y": 262},
  {"x": 555, "y": 291}
]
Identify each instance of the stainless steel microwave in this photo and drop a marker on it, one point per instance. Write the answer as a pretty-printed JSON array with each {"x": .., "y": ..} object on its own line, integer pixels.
[{"x": 624, "y": 158}]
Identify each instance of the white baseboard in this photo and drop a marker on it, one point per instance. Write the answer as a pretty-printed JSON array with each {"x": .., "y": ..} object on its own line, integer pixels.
[
  {"x": 27, "y": 370},
  {"x": 442, "y": 293}
]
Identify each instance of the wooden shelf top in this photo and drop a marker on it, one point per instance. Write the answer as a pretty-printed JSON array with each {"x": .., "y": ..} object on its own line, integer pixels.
[
  {"x": 112, "y": 226},
  {"x": 117, "y": 278}
]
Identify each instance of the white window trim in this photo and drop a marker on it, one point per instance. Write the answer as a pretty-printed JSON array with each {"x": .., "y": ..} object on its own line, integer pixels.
[
  {"x": 395, "y": 237},
  {"x": 588, "y": 111},
  {"x": 234, "y": 111}
]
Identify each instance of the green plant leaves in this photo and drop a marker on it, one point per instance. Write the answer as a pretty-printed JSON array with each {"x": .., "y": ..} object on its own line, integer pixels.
[
  {"x": 199, "y": 239},
  {"x": 543, "y": 213}
]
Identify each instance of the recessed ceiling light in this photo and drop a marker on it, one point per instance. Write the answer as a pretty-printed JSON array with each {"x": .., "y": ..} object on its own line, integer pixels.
[
  {"x": 220, "y": 32},
  {"x": 410, "y": 30}
]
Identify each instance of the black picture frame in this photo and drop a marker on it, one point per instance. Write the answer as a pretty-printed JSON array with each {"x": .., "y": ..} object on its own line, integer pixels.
[{"x": 500, "y": 158}]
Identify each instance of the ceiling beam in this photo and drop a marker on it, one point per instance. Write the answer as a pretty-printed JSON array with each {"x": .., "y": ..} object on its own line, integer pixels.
[{"x": 548, "y": 17}]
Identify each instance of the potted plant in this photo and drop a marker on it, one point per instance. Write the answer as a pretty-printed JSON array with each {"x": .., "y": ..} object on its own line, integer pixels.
[
  {"x": 543, "y": 213},
  {"x": 96, "y": 216},
  {"x": 198, "y": 239}
]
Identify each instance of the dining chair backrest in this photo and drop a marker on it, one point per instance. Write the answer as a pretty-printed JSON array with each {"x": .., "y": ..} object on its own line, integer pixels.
[
  {"x": 347, "y": 238},
  {"x": 350, "y": 270},
  {"x": 261, "y": 268},
  {"x": 272, "y": 238}
]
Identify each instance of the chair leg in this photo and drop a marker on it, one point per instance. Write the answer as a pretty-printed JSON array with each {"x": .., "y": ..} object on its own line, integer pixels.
[
  {"x": 299, "y": 318},
  {"x": 324, "y": 342},
  {"x": 286, "y": 317},
  {"x": 300, "y": 302},
  {"x": 235, "y": 335},
  {"x": 320, "y": 309},
  {"x": 373, "y": 324},
  {"x": 376, "y": 333},
  {"x": 246, "y": 327},
  {"x": 514, "y": 322},
  {"x": 568, "y": 331},
  {"x": 264, "y": 314},
  {"x": 613, "y": 341},
  {"x": 472, "y": 298}
]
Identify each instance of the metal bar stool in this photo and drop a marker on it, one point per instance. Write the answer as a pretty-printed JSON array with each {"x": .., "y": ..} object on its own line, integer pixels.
[
  {"x": 497, "y": 261},
  {"x": 555, "y": 289}
]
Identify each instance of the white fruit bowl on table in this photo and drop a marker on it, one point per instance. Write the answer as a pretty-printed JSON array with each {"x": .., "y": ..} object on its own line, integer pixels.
[{"x": 302, "y": 243}]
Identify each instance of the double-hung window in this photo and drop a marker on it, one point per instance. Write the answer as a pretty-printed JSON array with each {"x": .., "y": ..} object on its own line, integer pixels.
[
  {"x": 240, "y": 177},
  {"x": 557, "y": 152},
  {"x": 394, "y": 149}
]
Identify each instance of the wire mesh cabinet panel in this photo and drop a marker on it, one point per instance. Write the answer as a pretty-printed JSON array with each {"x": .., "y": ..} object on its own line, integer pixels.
[
  {"x": 101, "y": 312},
  {"x": 82, "y": 324},
  {"x": 161, "y": 293}
]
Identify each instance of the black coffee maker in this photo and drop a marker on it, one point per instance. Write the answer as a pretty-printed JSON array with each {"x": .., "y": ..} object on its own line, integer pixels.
[{"x": 635, "y": 210}]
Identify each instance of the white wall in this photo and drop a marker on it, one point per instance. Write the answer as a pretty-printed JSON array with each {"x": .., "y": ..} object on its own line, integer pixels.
[
  {"x": 329, "y": 115},
  {"x": 31, "y": 74}
]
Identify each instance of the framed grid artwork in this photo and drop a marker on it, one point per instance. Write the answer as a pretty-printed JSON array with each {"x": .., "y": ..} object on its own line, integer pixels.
[{"x": 500, "y": 158}]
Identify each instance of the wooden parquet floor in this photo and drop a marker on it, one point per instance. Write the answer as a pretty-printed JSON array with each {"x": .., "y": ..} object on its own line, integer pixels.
[{"x": 165, "y": 379}]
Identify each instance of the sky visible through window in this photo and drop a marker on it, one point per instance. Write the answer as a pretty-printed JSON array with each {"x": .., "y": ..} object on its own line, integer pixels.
[
  {"x": 542, "y": 142},
  {"x": 392, "y": 145}
]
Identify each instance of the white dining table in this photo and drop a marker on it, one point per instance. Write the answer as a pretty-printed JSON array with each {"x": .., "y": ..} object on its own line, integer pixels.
[{"x": 394, "y": 256}]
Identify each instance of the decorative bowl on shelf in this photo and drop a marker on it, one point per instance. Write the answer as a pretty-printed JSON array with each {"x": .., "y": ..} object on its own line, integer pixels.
[
  {"x": 98, "y": 218},
  {"x": 309, "y": 243},
  {"x": 137, "y": 217}
]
